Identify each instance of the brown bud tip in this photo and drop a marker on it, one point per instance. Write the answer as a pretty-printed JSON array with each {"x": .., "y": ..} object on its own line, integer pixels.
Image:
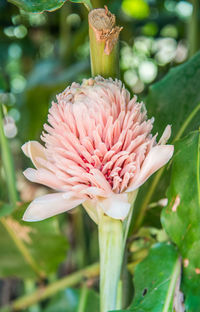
[{"x": 102, "y": 21}]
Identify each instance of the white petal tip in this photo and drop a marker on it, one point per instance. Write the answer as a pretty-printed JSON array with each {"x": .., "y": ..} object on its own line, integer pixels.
[
  {"x": 24, "y": 148},
  {"x": 116, "y": 206},
  {"x": 166, "y": 135},
  {"x": 30, "y": 174},
  {"x": 48, "y": 206},
  {"x": 29, "y": 218}
]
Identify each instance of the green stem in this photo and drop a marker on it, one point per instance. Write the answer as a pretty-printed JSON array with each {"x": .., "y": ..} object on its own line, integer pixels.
[
  {"x": 119, "y": 296},
  {"x": 193, "y": 28},
  {"x": 126, "y": 224},
  {"x": 53, "y": 288},
  {"x": 158, "y": 175},
  {"x": 83, "y": 299},
  {"x": 8, "y": 164},
  {"x": 186, "y": 123},
  {"x": 29, "y": 287},
  {"x": 103, "y": 52},
  {"x": 173, "y": 281},
  {"x": 111, "y": 253}
]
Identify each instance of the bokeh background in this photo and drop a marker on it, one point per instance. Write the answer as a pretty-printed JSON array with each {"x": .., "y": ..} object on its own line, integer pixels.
[{"x": 40, "y": 54}]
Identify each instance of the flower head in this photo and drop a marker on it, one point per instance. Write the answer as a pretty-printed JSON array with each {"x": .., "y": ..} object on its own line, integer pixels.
[{"x": 98, "y": 148}]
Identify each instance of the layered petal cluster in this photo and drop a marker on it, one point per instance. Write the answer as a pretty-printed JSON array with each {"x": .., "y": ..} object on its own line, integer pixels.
[{"x": 98, "y": 148}]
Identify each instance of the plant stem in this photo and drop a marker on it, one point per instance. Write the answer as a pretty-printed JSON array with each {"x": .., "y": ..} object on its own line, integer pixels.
[
  {"x": 127, "y": 222},
  {"x": 83, "y": 299},
  {"x": 103, "y": 43},
  {"x": 29, "y": 287},
  {"x": 193, "y": 28},
  {"x": 104, "y": 57},
  {"x": 8, "y": 164},
  {"x": 111, "y": 254},
  {"x": 174, "y": 278},
  {"x": 53, "y": 288}
]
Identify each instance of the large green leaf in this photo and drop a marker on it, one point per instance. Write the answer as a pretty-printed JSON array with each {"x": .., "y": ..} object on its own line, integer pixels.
[
  {"x": 43, "y": 241},
  {"x": 70, "y": 300},
  {"x": 39, "y": 6},
  {"x": 155, "y": 279},
  {"x": 170, "y": 100},
  {"x": 174, "y": 97},
  {"x": 181, "y": 218}
]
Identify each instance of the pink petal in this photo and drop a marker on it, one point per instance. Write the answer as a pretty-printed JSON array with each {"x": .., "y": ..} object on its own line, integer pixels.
[
  {"x": 34, "y": 149},
  {"x": 158, "y": 156},
  {"x": 50, "y": 205},
  {"x": 43, "y": 176}
]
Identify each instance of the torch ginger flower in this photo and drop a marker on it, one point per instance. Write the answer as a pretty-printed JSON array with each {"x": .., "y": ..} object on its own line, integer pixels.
[{"x": 98, "y": 149}]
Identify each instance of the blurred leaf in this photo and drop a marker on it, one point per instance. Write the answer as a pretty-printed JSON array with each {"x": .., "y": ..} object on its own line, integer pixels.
[
  {"x": 46, "y": 80},
  {"x": 5, "y": 209},
  {"x": 173, "y": 98},
  {"x": 155, "y": 280},
  {"x": 38, "y": 6},
  {"x": 181, "y": 218},
  {"x": 43, "y": 240},
  {"x": 3, "y": 84},
  {"x": 136, "y": 8},
  {"x": 68, "y": 300},
  {"x": 6, "y": 309}
]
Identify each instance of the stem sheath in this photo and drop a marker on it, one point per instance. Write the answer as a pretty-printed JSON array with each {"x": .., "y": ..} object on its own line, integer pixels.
[
  {"x": 111, "y": 254},
  {"x": 103, "y": 43}
]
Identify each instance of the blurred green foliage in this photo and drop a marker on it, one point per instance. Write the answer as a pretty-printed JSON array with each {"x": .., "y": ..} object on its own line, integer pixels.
[
  {"x": 40, "y": 55},
  {"x": 182, "y": 212}
]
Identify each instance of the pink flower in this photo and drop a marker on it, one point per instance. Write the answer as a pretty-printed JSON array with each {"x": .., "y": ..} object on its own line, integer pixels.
[{"x": 98, "y": 149}]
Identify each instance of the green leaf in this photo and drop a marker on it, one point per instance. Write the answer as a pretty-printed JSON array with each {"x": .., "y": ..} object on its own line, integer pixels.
[
  {"x": 38, "y": 6},
  {"x": 174, "y": 97},
  {"x": 46, "y": 80},
  {"x": 181, "y": 218},
  {"x": 42, "y": 239},
  {"x": 155, "y": 279},
  {"x": 173, "y": 100},
  {"x": 69, "y": 300}
]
